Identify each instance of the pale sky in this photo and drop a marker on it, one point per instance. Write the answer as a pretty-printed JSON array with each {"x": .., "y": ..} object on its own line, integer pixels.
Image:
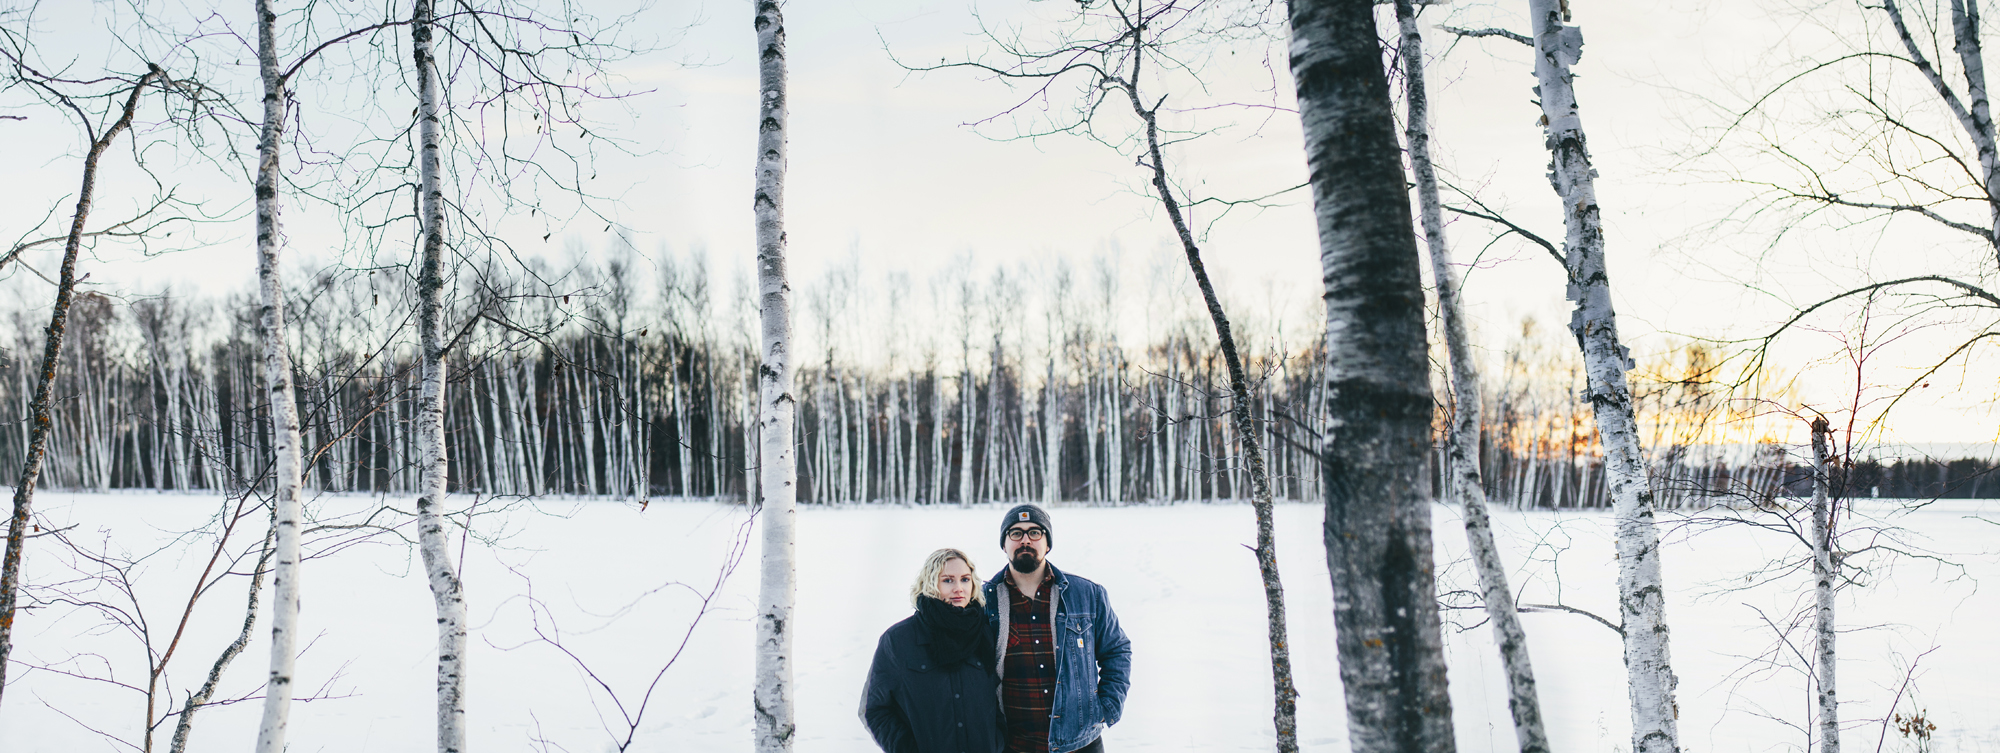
[{"x": 884, "y": 171}]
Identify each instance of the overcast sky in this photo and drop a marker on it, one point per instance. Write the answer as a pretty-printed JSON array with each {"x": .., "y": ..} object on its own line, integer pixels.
[{"x": 885, "y": 171}]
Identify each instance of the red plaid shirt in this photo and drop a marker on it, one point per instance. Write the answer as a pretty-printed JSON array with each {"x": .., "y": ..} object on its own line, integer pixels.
[{"x": 1028, "y": 688}]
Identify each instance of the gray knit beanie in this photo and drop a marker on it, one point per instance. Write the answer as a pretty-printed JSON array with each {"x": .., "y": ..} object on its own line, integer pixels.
[{"x": 1028, "y": 514}]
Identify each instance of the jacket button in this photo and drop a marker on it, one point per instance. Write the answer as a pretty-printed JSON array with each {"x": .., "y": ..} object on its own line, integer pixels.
[{"x": 955, "y": 695}]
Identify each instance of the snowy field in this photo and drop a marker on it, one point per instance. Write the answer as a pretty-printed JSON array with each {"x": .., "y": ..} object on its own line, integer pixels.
[{"x": 598, "y": 578}]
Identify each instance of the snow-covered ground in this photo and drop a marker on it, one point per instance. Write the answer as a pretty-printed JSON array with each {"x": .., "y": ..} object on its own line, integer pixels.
[{"x": 600, "y": 577}]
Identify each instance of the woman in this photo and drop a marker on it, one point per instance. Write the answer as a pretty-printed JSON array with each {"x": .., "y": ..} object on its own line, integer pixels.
[{"x": 932, "y": 688}]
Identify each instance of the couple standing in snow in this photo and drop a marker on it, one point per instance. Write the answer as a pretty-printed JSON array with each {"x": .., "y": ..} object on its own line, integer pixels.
[{"x": 1031, "y": 662}]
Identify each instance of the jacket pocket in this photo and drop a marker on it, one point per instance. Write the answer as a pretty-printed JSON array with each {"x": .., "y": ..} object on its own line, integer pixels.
[{"x": 1080, "y": 643}]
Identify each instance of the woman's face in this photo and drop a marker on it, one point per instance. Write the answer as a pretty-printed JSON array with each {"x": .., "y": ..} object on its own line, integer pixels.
[{"x": 955, "y": 583}]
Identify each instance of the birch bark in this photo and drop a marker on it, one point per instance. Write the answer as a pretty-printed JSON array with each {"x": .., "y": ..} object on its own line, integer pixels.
[
  {"x": 284, "y": 407},
  {"x": 1826, "y": 572},
  {"x": 1462, "y": 480},
  {"x": 1974, "y": 116},
  {"x": 1377, "y": 531},
  {"x": 1979, "y": 124},
  {"x": 41, "y": 410},
  {"x": 447, "y": 593},
  {"x": 1641, "y": 594},
  {"x": 968, "y": 427},
  {"x": 774, "y": 723}
]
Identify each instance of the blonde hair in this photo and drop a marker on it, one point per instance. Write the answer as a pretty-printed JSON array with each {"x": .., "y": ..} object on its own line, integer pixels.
[{"x": 927, "y": 578}]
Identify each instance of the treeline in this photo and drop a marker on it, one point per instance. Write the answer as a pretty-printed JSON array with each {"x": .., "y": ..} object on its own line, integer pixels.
[
  {"x": 585, "y": 386},
  {"x": 1909, "y": 478}
]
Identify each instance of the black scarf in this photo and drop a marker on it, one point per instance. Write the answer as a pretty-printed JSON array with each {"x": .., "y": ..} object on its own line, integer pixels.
[{"x": 956, "y": 633}]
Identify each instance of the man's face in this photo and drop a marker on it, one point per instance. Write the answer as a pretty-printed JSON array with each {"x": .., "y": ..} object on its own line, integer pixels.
[{"x": 1027, "y": 546}]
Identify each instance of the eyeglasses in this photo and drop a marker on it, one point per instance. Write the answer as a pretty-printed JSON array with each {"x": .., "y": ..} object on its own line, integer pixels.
[{"x": 1032, "y": 534}]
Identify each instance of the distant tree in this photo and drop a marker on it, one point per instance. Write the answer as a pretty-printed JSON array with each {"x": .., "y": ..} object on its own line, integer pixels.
[{"x": 1378, "y": 528}]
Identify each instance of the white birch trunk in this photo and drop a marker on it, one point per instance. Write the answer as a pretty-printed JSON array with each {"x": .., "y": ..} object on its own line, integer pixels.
[
  {"x": 1979, "y": 121},
  {"x": 994, "y": 467},
  {"x": 284, "y": 408},
  {"x": 752, "y": 464},
  {"x": 1378, "y": 530},
  {"x": 1826, "y": 572},
  {"x": 1641, "y": 594},
  {"x": 1461, "y": 466},
  {"x": 1974, "y": 116},
  {"x": 774, "y": 720},
  {"x": 864, "y": 421},
  {"x": 447, "y": 592},
  {"x": 968, "y": 394}
]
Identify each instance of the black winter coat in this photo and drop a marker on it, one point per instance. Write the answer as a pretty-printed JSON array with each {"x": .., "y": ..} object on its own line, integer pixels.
[{"x": 913, "y": 706}]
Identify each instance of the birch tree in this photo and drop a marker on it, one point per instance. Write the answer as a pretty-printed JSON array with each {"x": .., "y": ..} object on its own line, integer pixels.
[
  {"x": 447, "y": 592},
  {"x": 1462, "y": 475},
  {"x": 100, "y": 137},
  {"x": 278, "y": 387},
  {"x": 1641, "y": 591},
  {"x": 1826, "y": 573},
  {"x": 1378, "y": 400},
  {"x": 774, "y": 721}
]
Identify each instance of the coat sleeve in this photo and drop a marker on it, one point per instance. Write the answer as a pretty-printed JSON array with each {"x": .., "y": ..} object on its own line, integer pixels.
[
  {"x": 878, "y": 704},
  {"x": 1114, "y": 661}
]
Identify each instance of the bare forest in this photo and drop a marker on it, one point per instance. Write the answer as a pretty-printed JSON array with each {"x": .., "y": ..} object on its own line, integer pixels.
[
  {"x": 633, "y": 396},
  {"x": 467, "y": 358}
]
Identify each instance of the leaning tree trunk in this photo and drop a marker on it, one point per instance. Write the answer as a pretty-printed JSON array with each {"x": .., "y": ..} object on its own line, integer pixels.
[
  {"x": 1826, "y": 572},
  {"x": 1378, "y": 528},
  {"x": 1462, "y": 444},
  {"x": 1974, "y": 114},
  {"x": 447, "y": 592},
  {"x": 40, "y": 411},
  {"x": 776, "y": 505},
  {"x": 1641, "y": 594},
  {"x": 1284, "y": 693},
  {"x": 1979, "y": 119},
  {"x": 200, "y": 698},
  {"x": 284, "y": 407}
]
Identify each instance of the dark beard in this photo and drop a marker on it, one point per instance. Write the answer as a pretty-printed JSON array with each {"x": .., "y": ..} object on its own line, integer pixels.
[{"x": 1025, "y": 561}]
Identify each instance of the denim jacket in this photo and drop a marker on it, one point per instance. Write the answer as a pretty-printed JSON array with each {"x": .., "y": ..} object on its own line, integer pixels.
[{"x": 1093, "y": 657}]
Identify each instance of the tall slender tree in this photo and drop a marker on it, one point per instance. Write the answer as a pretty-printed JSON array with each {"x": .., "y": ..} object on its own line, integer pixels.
[
  {"x": 278, "y": 386},
  {"x": 447, "y": 593},
  {"x": 40, "y": 410},
  {"x": 1463, "y": 482},
  {"x": 1641, "y": 590},
  {"x": 1826, "y": 575},
  {"x": 1378, "y": 528},
  {"x": 774, "y": 721},
  {"x": 1284, "y": 692}
]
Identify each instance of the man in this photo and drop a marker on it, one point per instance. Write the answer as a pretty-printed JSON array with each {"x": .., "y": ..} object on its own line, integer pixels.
[{"x": 1064, "y": 663}]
